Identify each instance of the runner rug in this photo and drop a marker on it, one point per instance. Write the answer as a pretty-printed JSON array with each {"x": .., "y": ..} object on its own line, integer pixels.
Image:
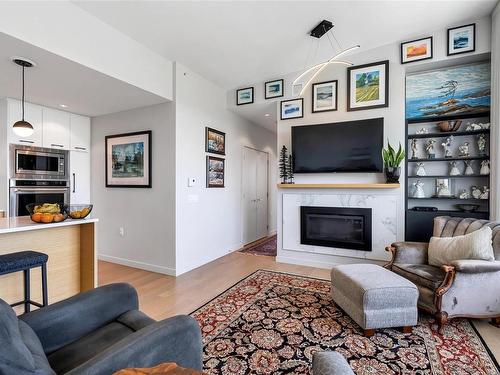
[
  {"x": 272, "y": 323},
  {"x": 266, "y": 247}
]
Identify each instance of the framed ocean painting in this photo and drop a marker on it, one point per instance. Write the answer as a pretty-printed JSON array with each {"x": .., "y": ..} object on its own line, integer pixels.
[
  {"x": 324, "y": 96},
  {"x": 273, "y": 89},
  {"x": 368, "y": 86},
  {"x": 457, "y": 90},
  {"x": 244, "y": 96},
  {"x": 293, "y": 108},
  {"x": 462, "y": 39}
]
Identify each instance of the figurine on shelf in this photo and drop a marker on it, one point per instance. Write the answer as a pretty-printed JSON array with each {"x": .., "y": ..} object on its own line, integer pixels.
[
  {"x": 476, "y": 192},
  {"x": 485, "y": 168},
  {"x": 485, "y": 194},
  {"x": 464, "y": 194},
  {"x": 442, "y": 188},
  {"x": 463, "y": 150},
  {"x": 485, "y": 126},
  {"x": 481, "y": 144},
  {"x": 447, "y": 146},
  {"x": 423, "y": 131},
  {"x": 454, "y": 169},
  {"x": 473, "y": 126},
  {"x": 421, "y": 170},
  {"x": 468, "y": 168},
  {"x": 418, "y": 189},
  {"x": 429, "y": 148},
  {"x": 414, "y": 151}
]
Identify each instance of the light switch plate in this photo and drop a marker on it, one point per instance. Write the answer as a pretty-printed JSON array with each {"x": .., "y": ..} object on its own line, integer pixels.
[{"x": 191, "y": 181}]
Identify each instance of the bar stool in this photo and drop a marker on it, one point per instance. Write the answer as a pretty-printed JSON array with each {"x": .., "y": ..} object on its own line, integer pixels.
[{"x": 25, "y": 261}]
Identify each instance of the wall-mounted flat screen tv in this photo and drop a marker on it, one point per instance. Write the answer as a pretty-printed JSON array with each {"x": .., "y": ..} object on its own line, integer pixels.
[{"x": 352, "y": 146}]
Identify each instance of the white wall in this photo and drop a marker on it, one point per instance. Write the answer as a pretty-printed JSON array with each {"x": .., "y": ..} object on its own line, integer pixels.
[
  {"x": 495, "y": 114},
  {"x": 147, "y": 215},
  {"x": 68, "y": 31},
  {"x": 208, "y": 221}
]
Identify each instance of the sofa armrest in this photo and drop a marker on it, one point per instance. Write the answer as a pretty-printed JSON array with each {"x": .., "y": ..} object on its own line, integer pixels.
[
  {"x": 63, "y": 322},
  {"x": 176, "y": 339},
  {"x": 408, "y": 252},
  {"x": 330, "y": 363},
  {"x": 476, "y": 266}
]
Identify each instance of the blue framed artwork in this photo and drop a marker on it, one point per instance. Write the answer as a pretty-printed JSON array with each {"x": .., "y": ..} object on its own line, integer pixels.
[{"x": 458, "y": 90}]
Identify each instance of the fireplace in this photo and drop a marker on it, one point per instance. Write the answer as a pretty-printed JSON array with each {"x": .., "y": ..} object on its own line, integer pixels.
[{"x": 346, "y": 228}]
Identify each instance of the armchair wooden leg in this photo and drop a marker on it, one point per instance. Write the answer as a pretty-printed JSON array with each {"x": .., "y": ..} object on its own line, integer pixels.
[
  {"x": 496, "y": 321},
  {"x": 407, "y": 329},
  {"x": 369, "y": 332},
  {"x": 441, "y": 319}
]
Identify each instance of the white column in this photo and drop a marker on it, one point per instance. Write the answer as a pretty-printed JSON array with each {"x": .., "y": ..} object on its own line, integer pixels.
[{"x": 495, "y": 114}]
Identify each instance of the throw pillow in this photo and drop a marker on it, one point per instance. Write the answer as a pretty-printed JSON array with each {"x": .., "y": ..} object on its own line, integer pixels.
[{"x": 475, "y": 245}]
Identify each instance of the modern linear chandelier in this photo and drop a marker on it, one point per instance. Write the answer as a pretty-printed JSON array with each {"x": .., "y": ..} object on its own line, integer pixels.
[{"x": 323, "y": 28}]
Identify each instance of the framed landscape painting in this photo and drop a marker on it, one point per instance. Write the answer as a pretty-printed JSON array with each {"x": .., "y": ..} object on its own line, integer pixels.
[
  {"x": 244, "y": 96},
  {"x": 128, "y": 160},
  {"x": 457, "y": 90},
  {"x": 215, "y": 172},
  {"x": 416, "y": 50},
  {"x": 291, "y": 109},
  {"x": 273, "y": 89},
  {"x": 368, "y": 86},
  {"x": 215, "y": 141},
  {"x": 462, "y": 39},
  {"x": 324, "y": 96}
]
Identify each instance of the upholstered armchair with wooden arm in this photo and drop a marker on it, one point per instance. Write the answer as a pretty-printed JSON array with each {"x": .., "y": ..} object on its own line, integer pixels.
[{"x": 464, "y": 288}]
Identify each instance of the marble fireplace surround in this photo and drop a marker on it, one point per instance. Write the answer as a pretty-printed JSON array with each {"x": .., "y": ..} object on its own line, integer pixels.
[{"x": 386, "y": 223}]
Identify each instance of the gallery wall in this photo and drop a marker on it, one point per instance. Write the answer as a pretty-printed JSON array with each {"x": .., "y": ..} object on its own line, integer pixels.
[
  {"x": 147, "y": 216},
  {"x": 209, "y": 220}
]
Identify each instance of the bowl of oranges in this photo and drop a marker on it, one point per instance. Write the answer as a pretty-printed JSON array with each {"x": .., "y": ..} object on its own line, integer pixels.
[
  {"x": 78, "y": 211},
  {"x": 46, "y": 213}
]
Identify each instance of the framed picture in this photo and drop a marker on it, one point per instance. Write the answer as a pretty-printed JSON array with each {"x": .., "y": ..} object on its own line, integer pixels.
[
  {"x": 292, "y": 109},
  {"x": 296, "y": 89},
  {"x": 128, "y": 160},
  {"x": 368, "y": 86},
  {"x": 416, "y": 50},
  {"x": 215, "y": 141},
  {"x": 324, "y": 96},
  {"x": 215, "y": 172},
  {"x": 273, "y": 89},
  {"x": 462, "y": 39},
  {"x": 244, "y": 96}
]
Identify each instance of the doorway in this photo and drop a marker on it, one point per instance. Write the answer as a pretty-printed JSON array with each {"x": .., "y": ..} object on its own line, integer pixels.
[{"x": 255, "y": 182}]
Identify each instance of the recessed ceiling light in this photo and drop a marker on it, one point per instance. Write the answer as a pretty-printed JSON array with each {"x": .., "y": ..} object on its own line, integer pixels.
[
  {"x": 63, "y": 106},
  {"x": 267, "y": 115}
]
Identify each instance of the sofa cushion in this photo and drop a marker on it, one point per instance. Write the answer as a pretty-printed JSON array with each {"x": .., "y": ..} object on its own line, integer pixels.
[
  {"x": 33, "y": 344},
  {"x": 421, "y": 274}
]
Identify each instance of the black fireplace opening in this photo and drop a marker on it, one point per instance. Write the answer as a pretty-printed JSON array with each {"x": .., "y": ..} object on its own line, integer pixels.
[{"x": 340, "y": 227}]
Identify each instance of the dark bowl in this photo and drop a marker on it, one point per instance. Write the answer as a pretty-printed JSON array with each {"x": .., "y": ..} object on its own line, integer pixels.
[
  {"x": 468, "y": 207},
  {"x": 47, "y": 215},
  {"x": 79, "y": 211}
]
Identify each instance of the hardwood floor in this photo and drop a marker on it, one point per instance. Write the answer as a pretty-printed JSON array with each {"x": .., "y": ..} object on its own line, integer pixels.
[{"x": 162, "y": 296}]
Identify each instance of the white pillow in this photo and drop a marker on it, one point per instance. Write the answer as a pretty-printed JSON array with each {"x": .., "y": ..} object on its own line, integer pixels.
[{"x": 475, "y": 245}]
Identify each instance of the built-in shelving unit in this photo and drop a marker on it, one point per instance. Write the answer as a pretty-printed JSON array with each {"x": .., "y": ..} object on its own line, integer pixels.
[{"x": 338, "y": 186}]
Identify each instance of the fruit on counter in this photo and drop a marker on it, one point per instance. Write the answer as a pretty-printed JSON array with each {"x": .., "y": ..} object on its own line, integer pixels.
[
  {"x": 79, "y": 214},
  {"x": 58, "y": 218},
  {"x": 85, "y": 211},
  {"x": 47, "y": 218},
  {"x": 37, "y": 217},
  {"x": 47, "y": 208}
]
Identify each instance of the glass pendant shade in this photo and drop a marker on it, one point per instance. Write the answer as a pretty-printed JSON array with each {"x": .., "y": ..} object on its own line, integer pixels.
[{"x": 23, "y": 128}]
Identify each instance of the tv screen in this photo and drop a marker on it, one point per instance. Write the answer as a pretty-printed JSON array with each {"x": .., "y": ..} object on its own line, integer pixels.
[{"x": 352, "y": 146}]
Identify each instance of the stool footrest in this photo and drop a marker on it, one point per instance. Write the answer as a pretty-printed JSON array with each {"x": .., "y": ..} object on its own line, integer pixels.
[{"x": 37, "y": 304}]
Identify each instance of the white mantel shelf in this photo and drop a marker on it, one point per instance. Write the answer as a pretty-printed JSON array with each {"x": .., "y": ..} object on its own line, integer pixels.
[{"x": 338, "y": 186}]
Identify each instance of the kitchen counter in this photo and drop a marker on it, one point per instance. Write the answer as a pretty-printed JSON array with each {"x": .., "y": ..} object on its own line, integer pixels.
[{"x": 71, "y": 247}]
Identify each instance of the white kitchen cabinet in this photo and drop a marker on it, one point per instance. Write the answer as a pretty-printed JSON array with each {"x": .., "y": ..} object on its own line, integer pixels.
[
  {"x": 79, "y": 166},
  {"x": 80, "y": 133},
  {"x": 56, "y": 129},
  {"x": 33, "y": 114}
]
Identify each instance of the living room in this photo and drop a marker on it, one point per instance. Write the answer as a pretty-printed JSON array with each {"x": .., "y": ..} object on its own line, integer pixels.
[{"x": 294, "y": 196}]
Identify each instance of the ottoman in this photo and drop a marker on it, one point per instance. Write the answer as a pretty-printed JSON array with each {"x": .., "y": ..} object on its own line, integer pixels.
[{"x": 375, "y": 297}]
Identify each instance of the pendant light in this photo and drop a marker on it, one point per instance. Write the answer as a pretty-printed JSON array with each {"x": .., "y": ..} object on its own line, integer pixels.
[{"x": 23, "y": 128}]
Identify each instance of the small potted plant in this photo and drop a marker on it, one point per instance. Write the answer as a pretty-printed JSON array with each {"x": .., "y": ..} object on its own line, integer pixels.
[{"x": 392, "y": 160}]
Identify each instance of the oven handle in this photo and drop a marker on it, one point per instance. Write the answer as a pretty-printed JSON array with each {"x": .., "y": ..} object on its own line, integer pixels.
[{"x": 38, "y": 190}]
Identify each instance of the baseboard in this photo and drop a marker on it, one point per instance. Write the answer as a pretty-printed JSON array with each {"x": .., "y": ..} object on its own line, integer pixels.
[
  {"x": 135, "y": 264},
  {"x": 273, "y": 232},
  {"x": 319, "y": 264}
]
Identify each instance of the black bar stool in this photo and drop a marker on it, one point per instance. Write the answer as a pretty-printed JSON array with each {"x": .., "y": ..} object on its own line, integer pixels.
[{"x": 25, "y": 261}]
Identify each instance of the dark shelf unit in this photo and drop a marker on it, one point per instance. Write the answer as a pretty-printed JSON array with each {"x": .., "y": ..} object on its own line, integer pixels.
[
  {"x": 447, "y": 134},
  {"x": 450, "y": 198},
  {"x": 446, "y": 118},
  {"x": 486, "y": 157},
  {"x": 453, "y": 177}
]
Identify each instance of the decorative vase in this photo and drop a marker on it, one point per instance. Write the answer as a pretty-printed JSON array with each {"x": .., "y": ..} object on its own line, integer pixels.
[{"x": 392, "y": 175}]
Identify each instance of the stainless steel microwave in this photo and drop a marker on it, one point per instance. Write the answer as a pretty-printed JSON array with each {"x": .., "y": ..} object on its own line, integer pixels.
[{"x": 39, "y": 162}]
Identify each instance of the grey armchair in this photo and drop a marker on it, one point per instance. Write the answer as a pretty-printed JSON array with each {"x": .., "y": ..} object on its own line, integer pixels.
[
  {"x": 464, "y": 288},
  {"x": 96, "y": 332},
  {"x": 330, "y": 363}
]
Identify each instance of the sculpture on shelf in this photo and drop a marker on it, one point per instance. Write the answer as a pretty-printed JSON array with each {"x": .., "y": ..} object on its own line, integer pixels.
[
  {"x": 414, "y": 150},
  {"x": 473, "y": 126},
  {"x": 476, "y": 192},
  {"x": 481, "y": 144},
  {"x": 485, "y": 168},
  {"x": 485, "y": 194},
  {"x": 468, "y": 168},
  {"x": 454, "y": 169},
  {"x": 421, "y": 170},
  {"x": 485, "y": 126},
  {"x": 429, "y": 148},
  {"x": 463, "y": 150},
  {"x": 418, "y": 189},
  {"x": 447, "y": 146},
  {"x": 442, "y": 187},
  {"x": 464, "y": 194},
  {"x": 423, "y": 131}
]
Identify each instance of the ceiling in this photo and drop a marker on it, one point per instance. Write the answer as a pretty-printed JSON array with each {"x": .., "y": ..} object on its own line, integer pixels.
[
  {"x": 56, "y": 80},
  {"x": 235, "y": 43}
]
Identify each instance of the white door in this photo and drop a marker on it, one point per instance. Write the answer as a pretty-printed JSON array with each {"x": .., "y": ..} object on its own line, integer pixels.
[
  {"x": 79, "y": 177},
  {"x": 255, "y": 181}
]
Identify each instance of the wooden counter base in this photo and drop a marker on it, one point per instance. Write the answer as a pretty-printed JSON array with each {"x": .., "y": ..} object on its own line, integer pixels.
[{"x": 71, "y": 267}]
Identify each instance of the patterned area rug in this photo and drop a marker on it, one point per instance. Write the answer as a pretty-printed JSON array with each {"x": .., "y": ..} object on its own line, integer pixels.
[
  {"x": 267, "y": 247},
  {"x": 272, "y": 323}
]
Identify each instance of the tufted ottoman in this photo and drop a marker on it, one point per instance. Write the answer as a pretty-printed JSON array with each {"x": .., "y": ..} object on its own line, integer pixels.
[{"x": 375, "y": 297}]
